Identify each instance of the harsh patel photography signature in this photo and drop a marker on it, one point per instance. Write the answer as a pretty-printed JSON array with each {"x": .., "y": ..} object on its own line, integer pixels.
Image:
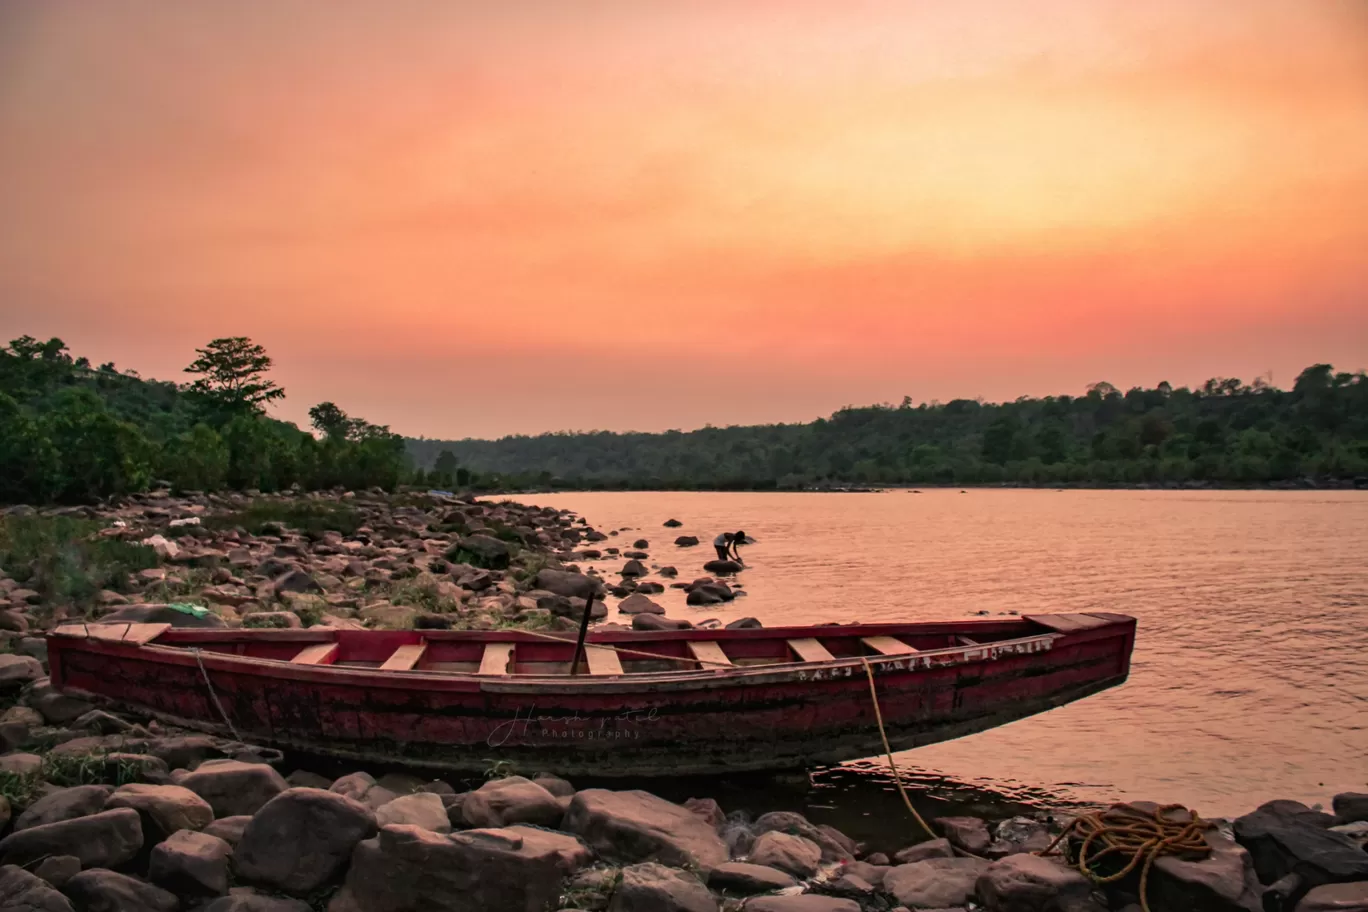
[{"x": 522, "y": 724}]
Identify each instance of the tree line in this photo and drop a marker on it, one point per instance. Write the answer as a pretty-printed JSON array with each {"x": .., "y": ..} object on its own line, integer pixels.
[
  {"x": 72, "y": 432},
  {"x": 1225, "y": 432}
]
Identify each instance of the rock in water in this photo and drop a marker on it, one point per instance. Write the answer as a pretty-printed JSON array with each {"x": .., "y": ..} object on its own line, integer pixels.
[
  {"x": 570, "y": 585},
  {"x": 107, "y": 839},
  {"x": 638, "y": 826},
  {"x": 301, "y": 840},
  {"x": 501, "y": 802},
  {"x": 634, "y": 568},
  {"x": 672, "y": 524},
  {"x": 406, "y": 868},
  {"x": 21, "y": 891},
  {"x": 650, "y": 887},
  {"x": 723, "y": 567},
  {"x": 107, "y": 891},
  {"x": 639, "y": 604}
]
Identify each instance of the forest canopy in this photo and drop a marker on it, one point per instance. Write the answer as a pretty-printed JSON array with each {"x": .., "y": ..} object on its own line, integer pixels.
[{"x": 1225, "y": 432}]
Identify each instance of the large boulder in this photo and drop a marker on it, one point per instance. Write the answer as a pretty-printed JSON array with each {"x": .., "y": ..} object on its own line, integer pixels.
[
  {"x": 362, "y": 787},
  {"x": 191, "y": 864},
  {"x": 422, "y": 809},
  {"x": 301, "y": 839},
  {"x": 409, "y": 869},
  {"x": 724, "y": 567},
  {"x": 635, "y": 826},
  {"x": 103, "y": 840},
  {"x": 21, "y": 891},
  {"x": 1343, "y": 897},
  {"x": 482, "y": 551},
  {"x": 1030, "y": 883},
  {"x": 636, "y": 603},
  {"x": 501, "y": 802},
  {"x": 686, "y": 541},
  {"x": 1283, "y": 838},
  {"x": 807, "y": 902},
  {"x": 634, "y": 567},
  {"x": 931, "y": 848},
  {"x": 1350, "y": 807},
  {"x": 161, "y": 614},
  {"x": 570, "y": 853},
  {"x": 937, "y": 883},
  {"x": 567, "y": 583},
  {"x": 16, "y": 671},
  {"x": 794, "y": 854},
  {"x": 99, "y": 890},
  {"x": 650, "y": 887},
  {"x": 164, "y": 808},
  {"x": 833, "y": 848},
  {"x": 64, "y": 804},
  {"x": 968, "y": 833},
  {"x": 245, "y": 899},
  {"x": 1223, "y": 881},
  {"x": 229, "y": 829},
  {"x": 232, "y": 787},
  {"x": 745, "y": 879}
]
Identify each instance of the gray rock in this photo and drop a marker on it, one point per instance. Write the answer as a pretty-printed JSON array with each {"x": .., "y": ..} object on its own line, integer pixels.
[
  {"x": 808, "y": 902},
  {"x": 191, "y": 864},
  {"x": 568, "y": 584},
  {"x": 658, "y": 622},
  {"x": 164, "y": 808},
  {"x": 1350, "y": 807},
  {"x": 634, "y": 567},
  {"x": 1343, "y": 897},
  {"x": 22, "y": 765},
  {"x": 16, "y": 671},
  {"x": 229, "y": 829},
  {"x": 1284, "y": 840},
  {"x": 937, "y": 883},
  {"x": 21, "y": 891},
  {"x": 306, "y": 779},
  {"x": 99, "y": 890},
  {"x": 501, "y": 802},
  {"x": 794, "y": 854},
  {"x": 485, "y": 552},
  {"x": 638, "y": 826},
  {"x": 58, "y": 869},
  {"x": 650, "y": 887},
  {"x": 932, "y": 848},
  {"x": 569, "y": 852},
  {"x": 64, "y": 804},
  {"x": 746, "y": 879},
  {"x": 1224, "y": 881},
  {"x": 746, "y": 623},
  {"x": 232, "y": 787},
  {"x": 56, "y": 708},
  {"x": 639, "y": 604},
  {"x": 686, "y": 541},
  {"x": 1030, "y": 883},
  {"x": 296, "y": 581},
  {"x": 406, "y": 868},
  {"x": 869, "y": 872},
  {"x": 723, "y": 567},
  {"x": 968, "y": 833},
  {"x": 245, "y": 899},
  {"x": 301, "y": 839},
  {"x": 106, "y": 839},
  {"x": 555, "y": 785},
  {"x": 1018, "y": 834},
  {"x": 797, "y": 825},
  {"x": 421, "y": 809}
]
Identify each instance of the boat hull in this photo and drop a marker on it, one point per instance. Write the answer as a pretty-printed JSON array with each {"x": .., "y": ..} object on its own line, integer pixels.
[{"x": 762, "y": 717}]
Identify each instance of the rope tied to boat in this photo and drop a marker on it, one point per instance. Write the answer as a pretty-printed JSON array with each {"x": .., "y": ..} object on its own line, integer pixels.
[
  {"x": 888, "y": 750},
  {"x": 213, "y": 694},
  {"x": 1132, "y": 837}
]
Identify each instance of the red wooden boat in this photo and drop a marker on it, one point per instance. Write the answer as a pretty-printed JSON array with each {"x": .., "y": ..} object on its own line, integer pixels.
[{"x": 688, "y": 701}]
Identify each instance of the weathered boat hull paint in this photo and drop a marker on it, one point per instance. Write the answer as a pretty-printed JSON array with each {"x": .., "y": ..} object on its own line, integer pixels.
[{"x": 758, "y": 717}]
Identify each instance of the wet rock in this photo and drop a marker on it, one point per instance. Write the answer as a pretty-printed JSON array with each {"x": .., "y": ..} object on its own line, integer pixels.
[
  {"x": 57, "y": 870},
  {"x": 106, "y": 839},
  {"x": 723, "y": 567},
  {"x": 1030, "y": 883},
  {"x": 672, "y": 524},
  {"x": 634, "y": 568},
  {"x": 657, "y": 622},
  {"x": 406, "y": 868},
  {"x": 807, "y": 902},
  {"x": 636, "y": 555},
  {"x": 744, "y": 878},
  {"x": 229, "y": 829},
  {"x": 191, "y": 864},
  {"x": 1283, "y": 840},
  {"x": 1350, "y": 807},
  {"x": 746, "y": 623},
  {"x": 798, "y": 825},
  {"x": 638, "y": 826},
  {"x": 1343, "y": 897},
  {"x": 21, "y": 891},
  {"x": 64, "y": 804},
  {"x": 639, "y": 604},
  {"x": 650, "y": 887},
  {"x": 937, "y": 883},
  {"x": 500, "y": 802},
  {"x": 1224, "y": 881},
  {"x": 422, "y": 810},
  {"x": 968, "y": 833},
  {"x": 232, "y": 787},
  {"x": 794, "y": 854},
  {"x": 932, "y": 848},
  {"x": 703, "y": 597},
  {"x": 668, "y": 572},
  {"x": 301, "y": 839},
  {"x": 567, "y": 584},
  {"x": 16, "y": 671},
  {"x": 686, "y": 541},
  {"x": 164, "y": 809},
  {"x": 99, "y": 890}
]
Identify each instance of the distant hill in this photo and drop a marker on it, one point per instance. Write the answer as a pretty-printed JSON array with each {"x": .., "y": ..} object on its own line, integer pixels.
[{"x": 1225, "y": 432}]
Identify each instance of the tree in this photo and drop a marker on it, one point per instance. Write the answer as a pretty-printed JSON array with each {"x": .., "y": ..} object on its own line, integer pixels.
[
  {"x": 445, "y": 468},
  {"x": 333, "y": 422},
  {"x": 232, "y": 377}
]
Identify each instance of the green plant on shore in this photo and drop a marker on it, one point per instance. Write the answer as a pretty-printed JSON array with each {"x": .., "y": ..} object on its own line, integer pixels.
[
  {"x": 582, "y": 894},
  {"x": 413, "y": 594},
  {"x": 104, "y": 768},
  {"x": 180, "y": 588},
  {"x": 19, "y": 789},
  {"x": 500, "y": 769},
  {"x": 310, "y": 517},
  {"x": 65, "y": 560}
]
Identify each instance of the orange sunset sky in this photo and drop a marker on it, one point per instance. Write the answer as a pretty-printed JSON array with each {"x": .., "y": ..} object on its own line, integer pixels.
[{"x": 471, "y": 219}]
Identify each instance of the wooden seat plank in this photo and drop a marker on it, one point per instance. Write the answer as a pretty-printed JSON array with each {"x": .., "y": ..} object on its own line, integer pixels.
[
  {"x": 497, "y": 657},
  {"x": 603, "y": 660},
  {"x": 135, "y": 634},
  {"x": 965, "y": 641},
  {"x": 709, "y": 651},
  {"x": 317, "y": 654},
  {"x": 1068, "y": 623},
  {"x": 405, "y": 658},
  {"x": 887, "y": 645},
  {"x": 809, "y": 650}
]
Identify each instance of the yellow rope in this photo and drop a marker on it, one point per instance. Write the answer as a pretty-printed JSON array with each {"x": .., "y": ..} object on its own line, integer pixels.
[
  {"x": 888, "y": 751},
  {"x": 1125, "y": 833}
]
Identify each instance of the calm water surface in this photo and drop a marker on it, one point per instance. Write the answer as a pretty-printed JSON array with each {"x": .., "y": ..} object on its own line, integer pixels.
[{"x": 1250, "y": 674}]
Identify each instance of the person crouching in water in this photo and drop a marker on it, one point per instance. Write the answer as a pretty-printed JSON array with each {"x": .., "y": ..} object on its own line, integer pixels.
[{"x": 723, "y": 544}]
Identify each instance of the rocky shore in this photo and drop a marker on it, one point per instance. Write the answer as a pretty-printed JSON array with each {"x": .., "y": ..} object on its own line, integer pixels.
[{"x": 107, "y": 810}]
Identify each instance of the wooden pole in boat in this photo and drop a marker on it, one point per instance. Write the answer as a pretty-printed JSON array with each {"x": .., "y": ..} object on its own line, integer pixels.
[{"x": 583, "y": 632}]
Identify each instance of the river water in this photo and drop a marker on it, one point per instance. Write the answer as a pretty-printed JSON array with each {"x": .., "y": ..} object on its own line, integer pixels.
[{"x": 1250, "y": 674}]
